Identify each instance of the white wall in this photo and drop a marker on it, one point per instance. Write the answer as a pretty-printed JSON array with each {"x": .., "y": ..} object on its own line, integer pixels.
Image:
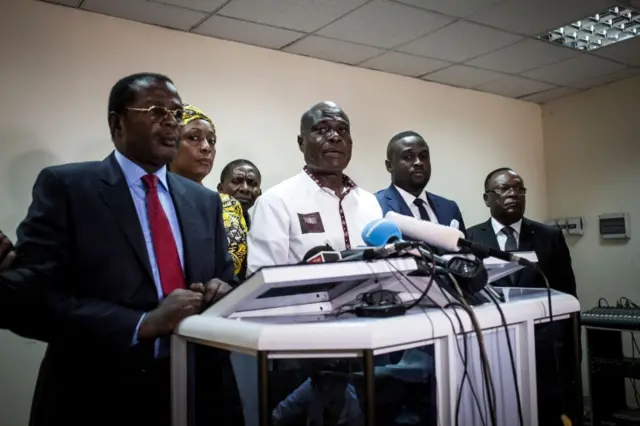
[
  {"x": 592, "y": 156},
  {"x": 58, "y": 65}
]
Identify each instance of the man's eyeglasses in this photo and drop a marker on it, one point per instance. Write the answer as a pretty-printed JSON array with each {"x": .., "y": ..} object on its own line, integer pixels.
[
  {"x": 519, "y": 190},
  {"x": 159, "y": 113}
]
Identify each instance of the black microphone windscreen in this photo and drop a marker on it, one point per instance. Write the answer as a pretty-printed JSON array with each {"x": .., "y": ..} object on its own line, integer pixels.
[{"x": 315, "y": 250}]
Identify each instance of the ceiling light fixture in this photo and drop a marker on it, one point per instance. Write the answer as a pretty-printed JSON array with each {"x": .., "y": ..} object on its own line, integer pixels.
[{"x": 616, "y": 24}]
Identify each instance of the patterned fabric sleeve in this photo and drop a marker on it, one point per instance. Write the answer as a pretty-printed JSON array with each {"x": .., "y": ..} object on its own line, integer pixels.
[{"x": 236, "y": 230}]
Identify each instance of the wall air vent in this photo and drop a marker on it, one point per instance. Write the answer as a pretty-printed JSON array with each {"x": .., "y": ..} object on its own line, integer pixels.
[{"x": 614, "y": 226}]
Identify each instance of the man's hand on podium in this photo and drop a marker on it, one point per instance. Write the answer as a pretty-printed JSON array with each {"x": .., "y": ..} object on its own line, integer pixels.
[
  {"x": 174, "y": 308},
  {"x": 180, "y": 304},
  {"x": 212, "y": 291},
  {"x": 7, "y": 254}
]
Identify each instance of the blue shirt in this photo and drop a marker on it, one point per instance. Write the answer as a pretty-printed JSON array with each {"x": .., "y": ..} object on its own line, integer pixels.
[{"x": 133, "y": 175}]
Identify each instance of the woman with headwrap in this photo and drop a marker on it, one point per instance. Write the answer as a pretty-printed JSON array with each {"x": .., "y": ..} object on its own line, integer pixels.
[{"x": 194, "y": 161}]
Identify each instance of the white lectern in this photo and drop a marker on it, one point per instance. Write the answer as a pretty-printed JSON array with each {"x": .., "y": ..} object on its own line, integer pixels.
[{"x": 301, "y": 357}]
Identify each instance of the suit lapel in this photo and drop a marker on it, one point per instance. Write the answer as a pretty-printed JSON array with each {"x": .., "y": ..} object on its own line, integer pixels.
[
  {"x": 487, "y": 236},
  {"x": 117, "y": 196},
  {"x": 189, "y": 225},
  {"x": 395, "y": 201},
  {"x": 437, "y": 209},
  {"x": 527, "y": 235}
]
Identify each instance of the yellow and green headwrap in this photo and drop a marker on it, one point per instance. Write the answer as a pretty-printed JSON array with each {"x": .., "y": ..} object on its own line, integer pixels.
[{"x": 194, "y": 113}]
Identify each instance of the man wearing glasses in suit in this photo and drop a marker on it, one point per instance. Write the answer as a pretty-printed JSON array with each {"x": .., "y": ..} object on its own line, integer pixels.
[{"x": 509, "y": 230}]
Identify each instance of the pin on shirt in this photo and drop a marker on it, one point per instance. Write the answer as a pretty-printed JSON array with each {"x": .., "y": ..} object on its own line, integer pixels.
[{"x": 311, "y": 223}]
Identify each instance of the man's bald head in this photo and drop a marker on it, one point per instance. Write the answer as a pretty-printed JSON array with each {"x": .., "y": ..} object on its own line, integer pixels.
[
  {"x": 325, "y": 138},
  {"x": 318, "y": 111}
]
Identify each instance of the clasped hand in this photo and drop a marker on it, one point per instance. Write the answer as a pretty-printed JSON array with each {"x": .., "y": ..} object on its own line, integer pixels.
[
  {"x": 180, "y": 304},
  {"x": 7, "y": 255}
]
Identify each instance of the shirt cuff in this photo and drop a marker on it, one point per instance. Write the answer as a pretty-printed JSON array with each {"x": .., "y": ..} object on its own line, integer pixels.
[{"x": 135, "y": 340}]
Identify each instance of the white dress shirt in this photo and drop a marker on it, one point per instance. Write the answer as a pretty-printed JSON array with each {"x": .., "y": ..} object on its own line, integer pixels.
[
  {"x": 409, "y": 199},
  {"x": 501, "y": 236},
  {"x": 297, "y": 215}
]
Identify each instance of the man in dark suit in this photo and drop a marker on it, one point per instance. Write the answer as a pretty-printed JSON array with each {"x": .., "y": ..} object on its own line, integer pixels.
[
  {"x": 409, "y": 162},
  {"x": 509, "y": 230},
  {"x": 111, "y": 257}
]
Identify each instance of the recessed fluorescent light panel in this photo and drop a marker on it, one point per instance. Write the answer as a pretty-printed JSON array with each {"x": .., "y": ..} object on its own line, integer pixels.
[{"x": 616, "y": 24}]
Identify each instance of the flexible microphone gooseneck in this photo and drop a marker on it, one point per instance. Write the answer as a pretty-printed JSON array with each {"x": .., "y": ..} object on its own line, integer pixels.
[
  {"x": 450, "y": 239},
  {"x": 383, "y": 239}
]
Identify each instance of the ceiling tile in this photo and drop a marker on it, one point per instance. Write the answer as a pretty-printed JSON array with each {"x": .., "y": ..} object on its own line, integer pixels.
[
  {"x": 148, "y": 12},
  {"x": 458, "y": 8},
  {"x": 549, "y": 95},
  {"x": 300, "y": 15},
  {"x": 382, "y": 23},
  {"x": 460, "y": 41},
  {"x": 463, "y": 76},
  {"x": 533, "y": 17},
  {"x": 523, "y": 56},
  {"x": 247, "y": 32},
  {"x": 401, "y": 63},
  {"x": 514, "y": 87},
  {"x": 627, "y": 52},
  {"x": 607, "y": 78},
  {"x": 574, "y": 70},
  {"x": 333, "y": 50},
  {"x": 200, "y": 5},
  {"x": 72, "y": 3}
]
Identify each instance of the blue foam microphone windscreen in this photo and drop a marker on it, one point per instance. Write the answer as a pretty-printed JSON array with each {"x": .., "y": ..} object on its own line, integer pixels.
[{"x": 381, "y": 232}]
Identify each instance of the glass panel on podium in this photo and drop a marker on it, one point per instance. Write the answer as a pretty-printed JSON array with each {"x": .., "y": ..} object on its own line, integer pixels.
[
  {"x": 312, "y": 390},
  {"x": 555, "y": 351},
  {"x": 216, "y": 390},
  {"x": 328, "y": 391},
  {"x": 405, "y": 387}
]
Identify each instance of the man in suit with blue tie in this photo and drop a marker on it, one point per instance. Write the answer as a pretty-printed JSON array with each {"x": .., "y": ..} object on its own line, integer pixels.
[{"x": 409, "y": 162}]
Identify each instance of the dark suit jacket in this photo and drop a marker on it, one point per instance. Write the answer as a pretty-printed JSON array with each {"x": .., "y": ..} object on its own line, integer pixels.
[
  {"x": 555, "y": 261},
  {"x": 550, "y": 247},
  {"x": 82, "y": 280},
  {"x": 445, "y": 210}
]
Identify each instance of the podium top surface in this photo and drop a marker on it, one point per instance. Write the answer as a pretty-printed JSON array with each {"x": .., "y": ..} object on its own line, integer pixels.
[
  {"x": 333, "y": 284},
  {"x": 330, "y": 332}
]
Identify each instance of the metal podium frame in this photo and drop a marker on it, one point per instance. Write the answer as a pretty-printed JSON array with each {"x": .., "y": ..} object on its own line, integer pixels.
[{"x": 227, "y": 327}]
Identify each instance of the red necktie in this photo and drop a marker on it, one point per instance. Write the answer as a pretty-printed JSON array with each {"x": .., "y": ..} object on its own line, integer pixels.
[{"x": 164, "y": 245}]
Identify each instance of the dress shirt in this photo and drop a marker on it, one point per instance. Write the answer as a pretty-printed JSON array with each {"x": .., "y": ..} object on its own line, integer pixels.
[
  {"x": 133, "y": 175},
  {"x": 409, "y": 199},
  {"x": 501, "y": 236},
  {"x": 297, "y": 215}
]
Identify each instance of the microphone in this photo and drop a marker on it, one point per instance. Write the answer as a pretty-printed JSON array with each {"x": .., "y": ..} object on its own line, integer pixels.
[
  {"x": 449, "y": 239},
  {"x": 384, "y": 238},
  {"x": 380, "y": 232},
  {"x": 321, "y": 254}
]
